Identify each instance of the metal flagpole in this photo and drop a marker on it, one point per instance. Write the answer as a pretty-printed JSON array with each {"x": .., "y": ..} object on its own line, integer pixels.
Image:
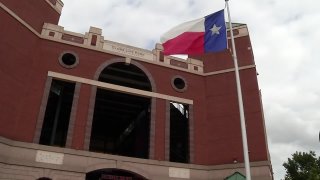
[{"x": 241, "y": 110}]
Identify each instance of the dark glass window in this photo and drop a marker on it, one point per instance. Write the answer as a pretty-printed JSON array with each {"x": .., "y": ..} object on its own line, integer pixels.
[
  {"x": 57, "y": 115},
  {"x": 179, "y": 132}
]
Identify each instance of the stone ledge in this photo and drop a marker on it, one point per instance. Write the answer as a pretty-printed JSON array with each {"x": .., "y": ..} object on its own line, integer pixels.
[{"x": 7, "y": 146}]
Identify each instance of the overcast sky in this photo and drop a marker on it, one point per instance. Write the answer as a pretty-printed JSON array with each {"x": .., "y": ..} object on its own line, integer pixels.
[{"x": 285, "y": 36}]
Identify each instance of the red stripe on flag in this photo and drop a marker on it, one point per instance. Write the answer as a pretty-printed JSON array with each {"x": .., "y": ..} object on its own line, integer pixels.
[{"x": 186, "y": 43}]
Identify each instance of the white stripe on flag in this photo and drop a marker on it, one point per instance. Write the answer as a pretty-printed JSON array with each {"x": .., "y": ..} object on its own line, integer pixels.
[{"x": 190, "y": 26}]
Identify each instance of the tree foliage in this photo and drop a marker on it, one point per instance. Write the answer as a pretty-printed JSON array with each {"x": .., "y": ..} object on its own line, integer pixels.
[{"x": 302, "y": 166}]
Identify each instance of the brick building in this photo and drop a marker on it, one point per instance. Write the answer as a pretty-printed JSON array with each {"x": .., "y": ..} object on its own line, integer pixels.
[{"x": 77, "y": 106}]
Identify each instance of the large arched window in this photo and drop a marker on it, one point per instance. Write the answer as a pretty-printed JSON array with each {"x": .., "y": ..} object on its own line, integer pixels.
[
  {"x": 121, "y": 122},
  {"x": 127, "y": 75}
]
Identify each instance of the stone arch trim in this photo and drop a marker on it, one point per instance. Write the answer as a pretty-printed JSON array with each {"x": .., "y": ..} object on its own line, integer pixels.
[
  {"x": 117, "y": 60},
  {"x": 100, "y": 166},
  {"x": 93, "y": 98},
  {"x": 118, "y": 165}
]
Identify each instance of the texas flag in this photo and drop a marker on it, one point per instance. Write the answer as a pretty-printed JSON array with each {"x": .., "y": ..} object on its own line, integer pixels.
[{"x": 195, "y": 37}]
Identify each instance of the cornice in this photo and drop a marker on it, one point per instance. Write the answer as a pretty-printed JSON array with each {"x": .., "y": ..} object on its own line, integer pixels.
[{"x": 56, "y": 33}]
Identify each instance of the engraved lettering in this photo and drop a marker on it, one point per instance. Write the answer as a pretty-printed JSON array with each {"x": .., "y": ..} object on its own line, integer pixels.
[{"x": 126, "y": 50}]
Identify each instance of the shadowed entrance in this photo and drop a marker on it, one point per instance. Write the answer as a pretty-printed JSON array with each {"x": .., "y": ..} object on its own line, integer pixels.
[{"x": 121, "y": 122}]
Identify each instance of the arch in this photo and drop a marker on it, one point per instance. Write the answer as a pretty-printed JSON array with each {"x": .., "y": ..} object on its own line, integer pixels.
[
  {"x": 114, "y": 173},
  {"x": 95, "y": 91},
  {"x": 117, "y": 60},
  {"x": 127, "y": 75}
]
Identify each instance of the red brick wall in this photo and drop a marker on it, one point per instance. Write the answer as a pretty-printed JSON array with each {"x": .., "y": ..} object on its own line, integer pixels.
[
  {"x": 25, "y": 61},
  {"x": 223, "y": 138},
  {"x": 159, "y": 130},
  {"x": 34, "y": 12},
  {"x": 81, "y": 117},
  {"x": 17, "y": 70},
  {"x": 221, "y": 130}
]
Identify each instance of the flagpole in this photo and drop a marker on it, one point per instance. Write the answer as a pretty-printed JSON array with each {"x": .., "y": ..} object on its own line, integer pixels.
[{"x": 240, "y": 101}]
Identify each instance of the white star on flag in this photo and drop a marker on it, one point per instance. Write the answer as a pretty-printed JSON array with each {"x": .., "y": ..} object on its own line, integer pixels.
[{"x": 215, "y": 29}]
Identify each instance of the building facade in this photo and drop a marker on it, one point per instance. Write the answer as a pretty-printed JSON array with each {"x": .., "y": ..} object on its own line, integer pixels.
[{"x": 77, "y": 106}]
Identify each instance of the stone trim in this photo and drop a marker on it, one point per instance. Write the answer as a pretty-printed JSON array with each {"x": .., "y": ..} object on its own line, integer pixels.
[
  {"x": 9, "y": 143},
  {"x": 49, "y": 38},
  {"x": 128, "y": 51},
  {"x": 191, "y": 135},
  {"x": 17, "y": 171},
  {"x": 167, "y": 133},
  {"x": 117, "y": 60},
  {"x": 118, "y": 164},
  {"x": 76, "y": 163},
  {"x": 229, "y": 70},
  {"x": 176, "y": 88},
  {"x": 264, "y": 125},
  {"x": 71, "y": 38},
  {"x": 19, "y": 19},
  {"x": 42, "y": 110},
  {"x": 152, "y": 133},
  {"x": 69, "y": 66},
  {"x": 158, "y": 63},
  {"x": 57, "y": 6},
  {"x": 118, "y": 88},
  {"x": 238, "y": 31},
  {"x": 183, "y": 65},
  {"x": 148, "y": 61},
  {"x": 92, "y": 102}
]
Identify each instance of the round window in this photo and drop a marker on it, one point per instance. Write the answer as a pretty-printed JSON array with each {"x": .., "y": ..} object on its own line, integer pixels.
[
  {"x": 179, "y": 83},
  {"x": 68, "y": 59}
]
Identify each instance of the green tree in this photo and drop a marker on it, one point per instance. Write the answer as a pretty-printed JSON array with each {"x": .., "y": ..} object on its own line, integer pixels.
[{"x": 302, "y": 166}]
